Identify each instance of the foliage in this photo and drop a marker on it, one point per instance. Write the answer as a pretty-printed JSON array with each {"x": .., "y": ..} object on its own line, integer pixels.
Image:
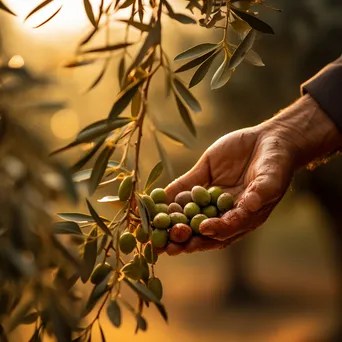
[{"x": 35, "y": 259}]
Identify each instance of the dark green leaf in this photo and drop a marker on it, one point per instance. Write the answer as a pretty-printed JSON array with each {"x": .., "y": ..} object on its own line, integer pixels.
[
  {"x": 254, "y": 22},
  {"x": 103, "y": 338},
  {"x": 196, "y": 51},
  {"x": 98, "y": 219},
  {"x": 174, "y": 137},
  {"x": 90, "y": 35},
  {"x": 90, "y": 254},
  {"x": 99, "y": 168},
  {"x": 141, "y": 323},
  {"x": 202, "y": 70},
  {"x": 89, "y": 11},
  {"x": 121, "y": 72},
  {"x": 85, "y": 159},
  {"x": 152, "y": 40},
  {"x": 68, "y": 227},
  {"x": 114, "y": 313},
  {"x": 96, "y": 294},
  {"x": 94, "y": 131},
  {"x": 99, "y": 77},
  {"x": 108, "y": 48},
  {"x": 186, "y": 95},
  {"x": 126, "y": 4},
  {"x": 36, "y": 337},
  {"x": 29, "y": 319},
  {"x": 5, "y": 8},
  {"x": 140, "y": 26},
  {"x": 164, "y": 157},
  {"x": 222, "y": 74},
  {"x": 48, "y": 19},
  {"x": 143, "y": 212},
  {"x": 136, "y": 104},
  {"x": 253, "y": 58},
  {"x": 78, "y": 217},
  {"x": 154, "y": 175},
  {"x": 85, "y": 174},
  {"x": 124, "y": 98},
  {"x": 182, "y": 18},
  {"x": 145, "y": 294},
  {"x": 103, "y": 244},
  {"x": 39, "y": 7},
  {"x": 195, "y": 62},
  {"x": 241, "y": 51},
  {"x": 132, "y": 270},
  {"x": 184, "y": 113}
]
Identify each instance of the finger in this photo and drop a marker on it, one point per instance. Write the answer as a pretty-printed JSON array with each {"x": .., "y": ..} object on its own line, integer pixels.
[{"x": 198, "y": 175}]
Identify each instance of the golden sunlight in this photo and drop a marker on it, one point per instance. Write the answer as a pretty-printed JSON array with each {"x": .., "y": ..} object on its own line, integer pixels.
[{"x": 64, "y": 124}]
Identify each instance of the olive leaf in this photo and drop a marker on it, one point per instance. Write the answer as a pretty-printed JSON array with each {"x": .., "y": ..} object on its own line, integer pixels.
[
  {"x": 222, "y": 74},
  {"x": 195, "y": 62},
  {"x": 78, "y": 217},
  {"x": 89, "y": 255},
  {"x": 121, "y": 71},
  {"x": 141, "y": 323},
  {"x": 29, "y": 319},
  {"x": 253, "y": 58},
  {"x": 103, "y": 338},
  {"x": 68, "y": 227},
  {"x": 90, "y": 13},
  {"x": 39, "y": 7},
  {"x": 126, "y": 4},
  {"x": 99, "y": 77},
  {"x": 79, "y": 164},
  {"x": 99, "y": 168},
  {"x": 96, "y": 294},
  {"x": 114, "y": 313},
  {"x": 84, "y": 175},
  {"x": 241, "y": 51},
  {"x": 254, "y": 22},
  {"x": 196, "y": 51},
  {"x": 145, "y": 294},
  {"x": 49, "y": 18},
  {"x": 5, "y": 8},
  {"x": 182, "y": 18},
  {"x": 140, "y": 26},
  {"x": 143, "y": 212},
  {"x": 185, "y": 114},
  {"x": 154, "y": 175},
  {"x": 98, "y": 219},
  {"x": 202, "y": 70},
  {"x": 175, "y": 138},
  {"x": 108, "y": 48},
  {"x": 124, "y": 98},
  {"x": 182, "y": 91},
  {"x": 94, "y": 131},
  {"x": 132, "y": 270}
]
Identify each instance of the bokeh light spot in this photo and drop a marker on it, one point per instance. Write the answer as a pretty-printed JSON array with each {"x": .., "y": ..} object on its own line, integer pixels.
[{"x": 64, "y": 124}]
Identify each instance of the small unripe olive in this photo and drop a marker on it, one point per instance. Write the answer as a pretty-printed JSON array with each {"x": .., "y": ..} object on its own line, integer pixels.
[
  {"x": 200, "y": 196},
  {"x": 100, "y": 272},
  {"x": 196, "y": 221},
  {"x": 125, "y": 188},
  {"x": 161, "y": 208},
  {"x": 127, "y": 243},
  {"x": 141, "y": 235},
  {"x": 159, "y": 238},
  {"x": 210, "y": 211},
  {"x": 178, "y": 218},
  {"x": 141, "y": 261},
  {"x": 215, "y": 192},
  {"x": 180, "y": 233},
  {"x": 158, "y": 195},
  {"x": 225, "y": 202},
  {"x": 174, "y": 208},
  {"x": 156, "y": 287},
  {"x": 191, "y": 209},
  {"x": 150, "y": 255},
  {"x": 150, "y": 205},
  {"x": 183, "y": 198},
  {"x": 162, "y": 221}
]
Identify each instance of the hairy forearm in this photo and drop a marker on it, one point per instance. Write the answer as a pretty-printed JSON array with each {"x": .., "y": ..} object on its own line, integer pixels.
[{"x": 309, "y": 132}]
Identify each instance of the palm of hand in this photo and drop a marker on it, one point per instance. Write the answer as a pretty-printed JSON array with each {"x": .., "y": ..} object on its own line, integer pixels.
[{"x": 256, "y": 167}]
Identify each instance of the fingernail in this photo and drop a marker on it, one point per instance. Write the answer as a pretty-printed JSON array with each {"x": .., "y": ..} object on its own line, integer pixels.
[{"x": 207, "y": 232}]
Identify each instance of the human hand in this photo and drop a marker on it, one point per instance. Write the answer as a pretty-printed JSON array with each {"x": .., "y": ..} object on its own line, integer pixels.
[{"x": 256, "y": 165}]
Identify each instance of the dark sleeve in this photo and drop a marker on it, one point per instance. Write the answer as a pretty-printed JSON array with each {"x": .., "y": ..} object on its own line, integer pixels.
[{"x": 326, "y": 89}]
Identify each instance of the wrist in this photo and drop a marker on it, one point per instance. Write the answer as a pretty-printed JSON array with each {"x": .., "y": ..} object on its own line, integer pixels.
[{"x": 308, "y": 132}]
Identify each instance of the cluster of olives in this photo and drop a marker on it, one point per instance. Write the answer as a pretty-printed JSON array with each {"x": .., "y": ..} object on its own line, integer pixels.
[{"x": 179, "y": 220}]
